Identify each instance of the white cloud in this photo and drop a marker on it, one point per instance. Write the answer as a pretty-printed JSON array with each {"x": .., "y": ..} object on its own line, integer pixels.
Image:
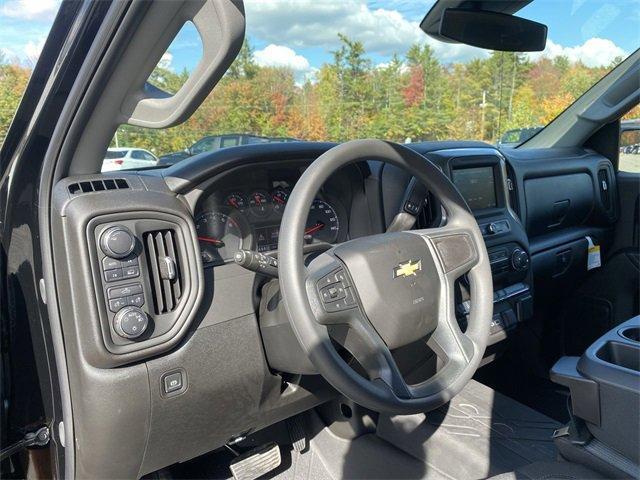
[
  {"x": 280, "y": 56},
  {"x": 404, "y": 68},
  {"x": 165, "y": 61},
  {"x": 316, "y": 24},
  {"x": 32, "y": 50},
  {"x": 8, "y": 53},
  {"x": 595, "y": 52},
  {"x": 30, "y": 9}
]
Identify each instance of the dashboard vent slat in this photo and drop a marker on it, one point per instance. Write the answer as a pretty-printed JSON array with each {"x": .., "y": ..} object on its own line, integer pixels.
[
  {"x": 90, "y": 186},
  {"x": 161, "y": 247}
]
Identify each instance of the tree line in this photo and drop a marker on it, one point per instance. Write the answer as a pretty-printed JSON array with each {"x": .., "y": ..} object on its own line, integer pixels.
[{"x": 414, "y": 96}]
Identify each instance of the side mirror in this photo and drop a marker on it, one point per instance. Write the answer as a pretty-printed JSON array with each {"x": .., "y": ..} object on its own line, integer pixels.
[{"x": 489, "y": 30}]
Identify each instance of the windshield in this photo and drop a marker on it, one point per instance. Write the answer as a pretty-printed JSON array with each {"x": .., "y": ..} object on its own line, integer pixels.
[{"x": 324, "y": 70}]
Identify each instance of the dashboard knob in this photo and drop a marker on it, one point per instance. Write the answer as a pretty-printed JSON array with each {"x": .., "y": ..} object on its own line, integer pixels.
[
  {"x": 117, "y": 242},
  {"x": 519, "y": 259},
  {"x": 130, "y": 322}
]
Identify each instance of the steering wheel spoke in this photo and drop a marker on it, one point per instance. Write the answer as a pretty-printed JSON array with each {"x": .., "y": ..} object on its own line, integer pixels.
[
  {"x": 454, "y": 247},
  {"x": 361, "y": 340}
]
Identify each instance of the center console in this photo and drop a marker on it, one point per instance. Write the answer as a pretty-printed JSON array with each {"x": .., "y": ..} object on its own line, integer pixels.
[
  {"x": 480, "y": 175},
  {"x": 605, "y": 397}
]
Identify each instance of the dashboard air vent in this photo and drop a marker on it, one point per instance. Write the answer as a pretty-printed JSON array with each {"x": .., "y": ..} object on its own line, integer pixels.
[
  {"x": 604, "y": 186},
  {"x": 511, "y": 191},
  {"x": 98, "y": 185},
  {"x": 163, "y": 262}
]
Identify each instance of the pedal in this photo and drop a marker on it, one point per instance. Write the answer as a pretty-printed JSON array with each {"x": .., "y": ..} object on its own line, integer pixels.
[
  {"x": 296, "y": 433},
  {"x": 256, "y": 463}
]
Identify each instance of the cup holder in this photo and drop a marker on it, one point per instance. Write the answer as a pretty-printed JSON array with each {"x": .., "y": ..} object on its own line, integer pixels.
[
  {"x": 631, "y": 333},
  {"x": 623, "y": 355}
]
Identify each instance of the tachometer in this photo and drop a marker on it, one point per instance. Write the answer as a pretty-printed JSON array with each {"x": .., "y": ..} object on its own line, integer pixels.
[
  {"x": 219, "y": 235},
  {"x": 236, "y": 200},
  {"x": 322, "y": 222}
]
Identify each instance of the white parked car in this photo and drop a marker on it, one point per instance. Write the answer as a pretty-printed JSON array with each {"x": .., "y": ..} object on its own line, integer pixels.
[{"x": 125, "y": 158}]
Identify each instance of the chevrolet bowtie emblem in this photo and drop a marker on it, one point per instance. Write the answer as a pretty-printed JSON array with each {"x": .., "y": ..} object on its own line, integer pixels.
[{"x": 407, "y": 269}]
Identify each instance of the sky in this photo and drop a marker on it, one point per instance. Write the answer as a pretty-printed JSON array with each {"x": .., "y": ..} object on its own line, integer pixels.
[{"x": 300, "y": 34}]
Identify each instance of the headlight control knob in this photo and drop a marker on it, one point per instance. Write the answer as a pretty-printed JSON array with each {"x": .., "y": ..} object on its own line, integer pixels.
[
  {"x": 519, "y": 260},
  {"x": 130, "y": 322},
  {"x": 117, "y": 241}
]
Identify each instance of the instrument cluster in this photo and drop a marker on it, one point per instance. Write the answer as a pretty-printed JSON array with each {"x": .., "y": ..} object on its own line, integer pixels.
[{"x": 249, "y": 218}]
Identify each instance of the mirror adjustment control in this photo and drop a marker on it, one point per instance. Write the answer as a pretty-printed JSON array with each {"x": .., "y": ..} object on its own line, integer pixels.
[
  {"x": 519, "y": 259},
  {"x": 130, "y": 322},
  {"x": 117, "y": 242}
]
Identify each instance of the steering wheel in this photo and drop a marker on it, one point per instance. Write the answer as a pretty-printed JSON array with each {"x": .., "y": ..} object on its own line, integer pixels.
[{"x": 374, "y": 294}]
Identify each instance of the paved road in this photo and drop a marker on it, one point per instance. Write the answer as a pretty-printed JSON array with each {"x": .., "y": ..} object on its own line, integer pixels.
[{"x": 630, "y": 162}]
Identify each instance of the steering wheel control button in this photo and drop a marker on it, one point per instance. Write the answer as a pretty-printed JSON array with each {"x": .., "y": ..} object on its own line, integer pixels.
[
  {"x": 117, "y": 242},
  {"x": 130, "y": 322},
  {"x": 337, "y": 276},
  {"x": 118, "y": 292},
  {"x": 346, "y": 302},
  {"x": 336, "y": 292},
  {"x": 349, "y": 298},
  {"x": 113, "y": 275},
  {"x": 332, "y": 293}
]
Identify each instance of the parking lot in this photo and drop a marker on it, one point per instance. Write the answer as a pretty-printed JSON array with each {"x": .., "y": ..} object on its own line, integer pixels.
[{"x": 630, "y": 162}]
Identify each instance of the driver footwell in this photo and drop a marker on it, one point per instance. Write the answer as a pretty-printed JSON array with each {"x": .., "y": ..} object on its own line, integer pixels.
[{"x": 479, "y": 434}]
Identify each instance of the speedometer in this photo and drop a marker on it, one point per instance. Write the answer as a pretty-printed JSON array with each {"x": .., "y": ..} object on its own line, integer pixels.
[
  {"x": 322, "y": 222},
  {"x": 219, "y": 235}
]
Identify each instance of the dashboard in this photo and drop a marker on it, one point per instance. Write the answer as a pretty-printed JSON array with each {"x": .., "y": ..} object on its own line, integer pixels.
[
  {"x": 158, "y": 296},
  {"x": 245, "y": 212}
]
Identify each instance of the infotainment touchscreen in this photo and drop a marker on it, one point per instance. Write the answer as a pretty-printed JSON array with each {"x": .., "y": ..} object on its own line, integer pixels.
[{"x": 477, "y": 186}]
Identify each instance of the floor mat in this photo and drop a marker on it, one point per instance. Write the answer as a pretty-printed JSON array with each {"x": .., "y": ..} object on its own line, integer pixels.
[
  {"x": 480, "y": 433},
  {"x": 541, "y": 394}
]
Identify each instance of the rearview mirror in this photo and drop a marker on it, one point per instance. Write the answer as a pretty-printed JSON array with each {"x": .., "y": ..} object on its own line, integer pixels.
[{"x": 492, "y": 30}]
